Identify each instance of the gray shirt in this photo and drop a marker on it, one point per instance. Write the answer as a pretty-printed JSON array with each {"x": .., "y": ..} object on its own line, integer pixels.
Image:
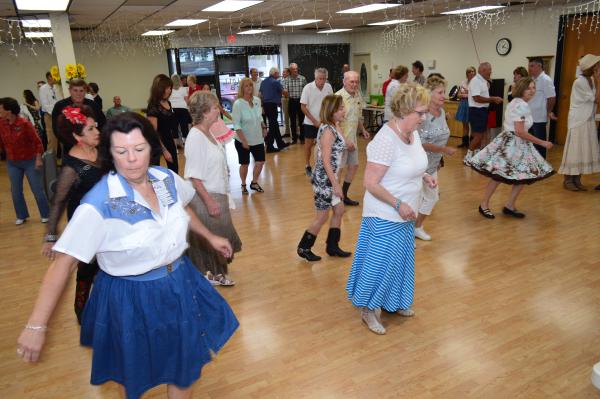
[{"x": 434, "y": 130}]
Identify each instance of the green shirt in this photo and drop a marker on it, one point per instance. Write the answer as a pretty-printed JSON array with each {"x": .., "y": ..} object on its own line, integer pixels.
[
  {"x": 248, "y": 119},
  {"x": 116, "y": 111}
]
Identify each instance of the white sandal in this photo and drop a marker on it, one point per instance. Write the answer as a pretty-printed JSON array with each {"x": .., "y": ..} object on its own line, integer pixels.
[
  {"x": 212, "y": 279},
  {"x": 369, "y": 317},
  {"x": 224, "y": 280}
]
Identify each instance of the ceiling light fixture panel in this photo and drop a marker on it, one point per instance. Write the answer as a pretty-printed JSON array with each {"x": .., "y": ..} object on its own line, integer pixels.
[
  {"x": 300, "y": 22},
  {"x": 42, "y": 5},
  {"x": 391, "y": 22},
  {"x": 186, "y": 22},
  {"x": 36, "y": 23},
  {"x": 232, "y": 5},
  {"x": 157, "y": 32},
  {"x": 253, "y": 31},
  {"x": 368, "y": 8},
  {"x": 334, "y": 31},
  {"x": 31, "y": 35},
  {"x": 472, "y": 9}
]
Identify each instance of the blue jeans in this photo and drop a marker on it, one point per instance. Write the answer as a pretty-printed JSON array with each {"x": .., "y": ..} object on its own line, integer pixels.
[
  {"x": 538, "y": 129},
  {"x": 16, "y": 170}
]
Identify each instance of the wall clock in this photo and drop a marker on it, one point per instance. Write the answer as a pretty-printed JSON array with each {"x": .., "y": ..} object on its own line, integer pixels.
[{"x": 503, "y": 46}]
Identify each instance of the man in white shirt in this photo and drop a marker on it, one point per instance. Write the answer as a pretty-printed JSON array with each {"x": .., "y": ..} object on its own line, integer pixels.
[
  {"x": 49, "y": 95},
  {"x": 310, "y": 103},
  {"x": 255, "y": 81},
  {"x": 542, "y": 103},
  {"x": 479, "y": 102}
]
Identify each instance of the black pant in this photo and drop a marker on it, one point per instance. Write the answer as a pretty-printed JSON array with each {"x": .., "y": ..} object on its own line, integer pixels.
[
  {"x": 169, "y": 144},
  {"x": 274, "y": 133},
  {"x": 538, "y": 129},
  {"x": 296, "y": 118},
  {"x": 182, "y": 121}
]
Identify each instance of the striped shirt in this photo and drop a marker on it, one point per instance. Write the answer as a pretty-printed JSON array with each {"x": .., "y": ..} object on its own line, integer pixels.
[{"x": 294, "y": 86}]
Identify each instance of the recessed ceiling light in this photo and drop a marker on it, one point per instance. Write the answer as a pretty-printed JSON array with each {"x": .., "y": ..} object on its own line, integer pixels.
[
  {"x": 38, "y": 34},
  {"x": 157, "y": 32},
  {"x": 392, "y": 22},
  {"x": 253, "y": 31},
  {"x": 232, "y": 5},
  {"x": 368, "y": 8},
  {"x": 472, "y": 9},
  {"x": 334, "y": 31},
  {"x": 186, "y": 22},
  {"x": 298, "y": 22},
  {"x": 35, "y": 23},
  {"x": 42, "y": 5}
]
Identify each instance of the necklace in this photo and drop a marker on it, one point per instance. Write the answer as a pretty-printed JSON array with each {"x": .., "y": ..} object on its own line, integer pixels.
[{"x": 402, "y": 136}]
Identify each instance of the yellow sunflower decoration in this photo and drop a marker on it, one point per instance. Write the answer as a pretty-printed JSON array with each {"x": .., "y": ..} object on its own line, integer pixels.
[
  {"x": 55, "y": 73},
  {"x": 73, "y": 71},
  {"x": 81, "y": 71}
]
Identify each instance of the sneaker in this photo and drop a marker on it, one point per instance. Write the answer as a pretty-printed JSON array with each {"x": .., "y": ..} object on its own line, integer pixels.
[
  {"x": 308, "y": 171},
  {"x": 19, "y": 222},
  {"x": 44, "y": 220},
  {"x": 467, "y": 158},
  {"x": 421, "y": 234}
]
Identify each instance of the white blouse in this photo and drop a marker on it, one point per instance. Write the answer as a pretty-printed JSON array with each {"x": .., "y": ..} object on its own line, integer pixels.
[
  {"x": 115, "y": 224},
  {"x": 206, "y": 161},
  {"x": 517, "y": 111},
  {"x": 177, "y": 98},
  {"x": 404, "y": 177},
  {"x": 582, "y": 107}
]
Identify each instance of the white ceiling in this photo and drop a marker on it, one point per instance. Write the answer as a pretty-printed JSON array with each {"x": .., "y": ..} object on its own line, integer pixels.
[{"x": 142, "y": 15}]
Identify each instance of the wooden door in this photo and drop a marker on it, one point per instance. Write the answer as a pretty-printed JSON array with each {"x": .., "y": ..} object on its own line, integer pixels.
[{"x": 575, "y": 45}]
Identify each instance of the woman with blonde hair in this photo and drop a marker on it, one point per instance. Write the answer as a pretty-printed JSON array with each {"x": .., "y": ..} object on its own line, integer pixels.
[
  {"x": 462, "y": 113},
  {"x": 206, "y": 168},
  {"x": 582, "y": 154},
  {"x": 434, "y": 133},
  {"x": 383, "y": 274},
  {"x": 511, "y": 157},
  {"x": 399, "y": 75},
  {"x": 327, "y": 189},
  {"x": 250, "y": 133}
]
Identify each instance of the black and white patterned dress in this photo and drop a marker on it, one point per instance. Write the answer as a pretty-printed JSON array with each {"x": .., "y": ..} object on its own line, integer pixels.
[{"x": 322, "y": 187}]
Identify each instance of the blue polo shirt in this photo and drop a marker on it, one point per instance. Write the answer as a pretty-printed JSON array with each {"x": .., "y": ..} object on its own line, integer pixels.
[{"x": 271, "y": 90}]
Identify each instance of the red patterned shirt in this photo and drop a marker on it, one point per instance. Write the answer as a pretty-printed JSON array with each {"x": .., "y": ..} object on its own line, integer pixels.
[{"x": 19, "y": 140}]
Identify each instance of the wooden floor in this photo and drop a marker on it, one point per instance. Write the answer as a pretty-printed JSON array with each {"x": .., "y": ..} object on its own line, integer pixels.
[{"x": 505, "y": 308}]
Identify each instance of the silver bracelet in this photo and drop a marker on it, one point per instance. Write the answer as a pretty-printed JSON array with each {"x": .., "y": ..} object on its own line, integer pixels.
[
  {"x": 398, "y": 203},
  {"x": 36, "y": 328},
  {"x": 51, "y": 237}
]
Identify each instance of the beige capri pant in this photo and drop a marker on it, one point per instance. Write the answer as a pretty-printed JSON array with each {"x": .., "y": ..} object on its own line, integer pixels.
[{"x": 429, "y": 197}]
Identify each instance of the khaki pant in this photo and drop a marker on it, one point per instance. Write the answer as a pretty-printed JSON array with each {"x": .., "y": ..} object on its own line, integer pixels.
[
  {"x": 286, "y": 114},
  {"x": 52, "y": 141}
]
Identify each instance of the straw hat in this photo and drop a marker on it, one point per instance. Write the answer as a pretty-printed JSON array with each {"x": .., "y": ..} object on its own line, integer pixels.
[{"x": 588, "y": 61}]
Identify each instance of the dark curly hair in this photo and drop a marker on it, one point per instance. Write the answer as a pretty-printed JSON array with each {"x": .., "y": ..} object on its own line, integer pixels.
[
  {"x": 125, "y": 123},
  {"x": 66, "y": 129}
]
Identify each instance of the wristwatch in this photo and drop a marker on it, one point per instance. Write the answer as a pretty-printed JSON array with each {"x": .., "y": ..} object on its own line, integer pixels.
[{"x": 398, "y": 203}]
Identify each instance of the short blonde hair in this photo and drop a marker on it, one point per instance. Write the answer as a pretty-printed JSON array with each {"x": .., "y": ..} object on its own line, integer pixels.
[
  {"x": 330, "y": 105},
  {"x": 200, "y": 103},
  {"x": 521, "y": 85},
  {"x": 191, "y": 78},
  {"x": 433, "y": 82},
  {"x": 470, "y": 69},
  {"x": 407, "y": 97},
  {"x": 399, "y": 71},
  {"x": 243, "y": 82}
]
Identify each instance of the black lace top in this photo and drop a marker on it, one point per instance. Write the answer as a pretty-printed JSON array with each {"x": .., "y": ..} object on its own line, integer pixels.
[{"x": 76, "y": 178}]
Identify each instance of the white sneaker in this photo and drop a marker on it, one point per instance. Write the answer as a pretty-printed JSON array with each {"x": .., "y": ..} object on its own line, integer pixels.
[
  {"x": 467, "y": 158},
  {"x": 19, "y": 222},
  {"x": 421, "y": 234},
  {"x": 44, "y": 220}
]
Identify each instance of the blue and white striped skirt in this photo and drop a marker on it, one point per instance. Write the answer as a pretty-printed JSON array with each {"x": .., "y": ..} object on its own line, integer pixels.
[{"x": 383, "y": 271}]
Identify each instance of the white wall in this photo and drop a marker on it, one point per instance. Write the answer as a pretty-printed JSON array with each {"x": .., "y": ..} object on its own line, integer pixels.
[
  {"x": 533, "y": 33},
  {"x": 129, "y": 77}
]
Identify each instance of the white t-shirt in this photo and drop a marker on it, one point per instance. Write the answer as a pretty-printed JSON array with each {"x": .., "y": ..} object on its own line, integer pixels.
[
  {"x": 517, "y": 111},
  {"x": 134, "y": 247},
  {"x": 544, "y": 89},
  {"x": 404, "y": 177},
  {"x": 312, "y": 97},
  {"x": 389, "y": 94},
  {"x": 256, "y": 87},
  {"x": 478, "y": 86},
  {"x": 582, "y": 106},
  {"x": 49, "y": 95},
  {"x": 206, "y": 161},
  {"x": 177, "y": 98}
]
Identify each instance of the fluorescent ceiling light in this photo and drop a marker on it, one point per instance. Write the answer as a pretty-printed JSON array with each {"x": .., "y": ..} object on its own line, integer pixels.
[
  {"x": 35, "y": 23},
  {"x": 186, "y": 22},
  {"x": 334, "y": 31},
  {"x": 38, "y": 34},
  {"x": 253, "y": 31},
  {"x": 368, "y": 8},
  {"x": 472, "y": 9},
  {"x": 157, "y": 32},
  {"x": 232, "y": 5},
  {"x": 298, "y": 22},
  {"x": 392, "y": 22},
  {"x": 42, "y": 5}
]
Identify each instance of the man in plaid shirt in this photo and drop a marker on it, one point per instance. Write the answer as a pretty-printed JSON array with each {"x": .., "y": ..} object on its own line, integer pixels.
[{"x": 294, "y": 84}]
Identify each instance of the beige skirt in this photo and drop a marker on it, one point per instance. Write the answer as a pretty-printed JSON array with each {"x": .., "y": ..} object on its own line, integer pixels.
[
  {"x": 581, "y": 154},
  {"x": 200, "y": 251}
]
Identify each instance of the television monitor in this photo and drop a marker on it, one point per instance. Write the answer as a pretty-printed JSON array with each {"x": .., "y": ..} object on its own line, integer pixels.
[{"x": 197, "y": 61}]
